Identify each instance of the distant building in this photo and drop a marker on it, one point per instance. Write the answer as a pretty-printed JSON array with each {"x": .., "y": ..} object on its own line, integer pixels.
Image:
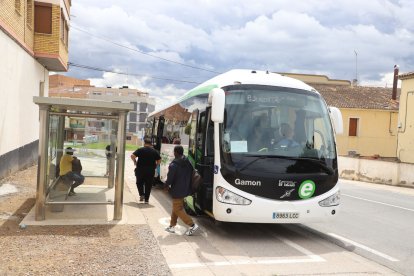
[
  {"x": 62, "y": 86},
  {"x": 33, "y": 41},
  {"x": 317, "y": 79},
  {"x": 369, "y": 115},
  {"x": 61, "y": 81},
  {"x": 405, "y": 150}
]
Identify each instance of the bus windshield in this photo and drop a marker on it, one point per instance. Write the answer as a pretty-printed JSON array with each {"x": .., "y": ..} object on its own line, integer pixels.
[{"x": 268, "y": 121}]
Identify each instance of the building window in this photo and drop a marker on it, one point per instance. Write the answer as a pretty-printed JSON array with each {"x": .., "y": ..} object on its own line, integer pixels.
[
  {"x": 64, "y": 30},
  {"x": 142, "y": 117},
  {"x": 43, "y": 19},
  {"x": 353, "y": 126},
  {"x": 62, "y": 26},
  {"x": 29, "y": 13},
  {"x": 17, "y": 5},
  {"x": 132, "y": 116},
  {"x": 132, "y": 128},
  {"x": 143, "y": 107}
]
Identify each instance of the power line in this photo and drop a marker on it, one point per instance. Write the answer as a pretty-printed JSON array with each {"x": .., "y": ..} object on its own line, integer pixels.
[
  {"x": 122, "y": 73},
  {"x": 142, "y": 52}
]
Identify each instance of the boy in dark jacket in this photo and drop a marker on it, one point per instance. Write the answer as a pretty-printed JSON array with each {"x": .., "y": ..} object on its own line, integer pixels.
[{"x": 179, "y": 182}]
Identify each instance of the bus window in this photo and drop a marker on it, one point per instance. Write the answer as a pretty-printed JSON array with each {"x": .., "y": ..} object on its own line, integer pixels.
[
  {"x": 200, "y": 135},
  {"x": 160, "y": 129},
  {"x": 210, "y": 138},
  {"x": 193, "y": 132},
  {"x": 148, "y": 127}
]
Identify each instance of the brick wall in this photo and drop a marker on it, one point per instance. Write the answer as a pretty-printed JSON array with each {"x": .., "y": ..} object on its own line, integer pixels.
[
  {"x": 49, "y": 43},
  {"x": 18, "y": 23},
  {"x": 60, "y": 80},
  {"x": 14, "y": 19}
]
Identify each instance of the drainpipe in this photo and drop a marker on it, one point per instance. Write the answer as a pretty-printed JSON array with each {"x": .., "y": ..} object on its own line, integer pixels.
[{"x": 394, "y": 84}]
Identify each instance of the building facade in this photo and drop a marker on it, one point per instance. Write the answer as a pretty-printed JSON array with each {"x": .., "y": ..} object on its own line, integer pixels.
[
  {"x": 63, "y": 86},
  {"x": 370, "y": 115},
  {"x": 33, "y": 41},
  {"x": 405, "y": 151},
  {"x": 143, "y": 105}
]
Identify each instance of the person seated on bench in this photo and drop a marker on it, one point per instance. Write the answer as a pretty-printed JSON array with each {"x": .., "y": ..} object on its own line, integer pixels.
[{"x": 70, "y": 168}]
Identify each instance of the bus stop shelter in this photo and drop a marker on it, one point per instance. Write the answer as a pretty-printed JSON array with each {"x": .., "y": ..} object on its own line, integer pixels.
[{"x": 54, "y": 114}]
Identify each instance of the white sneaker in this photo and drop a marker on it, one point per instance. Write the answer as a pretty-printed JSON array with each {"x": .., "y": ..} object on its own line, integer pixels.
[
  {"x": 170, "y": 229},
  {"x": 192, "y": 230}
]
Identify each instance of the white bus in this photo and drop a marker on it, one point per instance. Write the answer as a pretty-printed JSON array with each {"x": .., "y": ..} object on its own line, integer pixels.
[{"x": 263, "y": 143}]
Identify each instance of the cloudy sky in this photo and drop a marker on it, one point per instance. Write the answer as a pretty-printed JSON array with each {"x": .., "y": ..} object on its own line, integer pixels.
[{"x": 168, "y": 47}]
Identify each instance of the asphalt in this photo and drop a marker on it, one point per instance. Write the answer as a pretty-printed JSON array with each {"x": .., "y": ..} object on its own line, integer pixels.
[{"x": 233, "y": 249}]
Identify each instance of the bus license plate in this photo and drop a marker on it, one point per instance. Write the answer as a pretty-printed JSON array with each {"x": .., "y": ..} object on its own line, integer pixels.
[{"x": 285, "y": 215}]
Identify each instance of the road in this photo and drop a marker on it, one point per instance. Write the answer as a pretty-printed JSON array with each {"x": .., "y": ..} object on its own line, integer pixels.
[
  {"x": 375, "y": 221},
  {"x": 253, "y": 249}
]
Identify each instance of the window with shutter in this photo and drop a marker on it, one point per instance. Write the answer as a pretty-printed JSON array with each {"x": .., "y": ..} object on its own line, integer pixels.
[
  {"x": 353, "y": 126},
  {"x": 43, "y": 19}
]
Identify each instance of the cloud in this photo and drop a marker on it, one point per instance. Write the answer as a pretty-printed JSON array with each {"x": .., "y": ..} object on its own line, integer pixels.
[
  {"x": 164, "y": 95},
  {"x": 315, "y": 36}
]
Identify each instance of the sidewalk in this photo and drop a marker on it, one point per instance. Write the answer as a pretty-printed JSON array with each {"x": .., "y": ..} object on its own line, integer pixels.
[{"x": 103, "y": 247}]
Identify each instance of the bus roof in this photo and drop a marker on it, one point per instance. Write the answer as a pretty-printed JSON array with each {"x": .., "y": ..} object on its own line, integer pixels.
[{"x": 242, "y": 76}]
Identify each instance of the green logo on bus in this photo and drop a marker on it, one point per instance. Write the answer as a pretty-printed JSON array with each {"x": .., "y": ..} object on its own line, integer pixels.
[{"x": 306, "y": 189}]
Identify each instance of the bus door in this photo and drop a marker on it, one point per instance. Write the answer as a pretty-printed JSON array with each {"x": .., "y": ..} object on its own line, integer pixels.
[
  {"x": 158, "y": 135},
  {"x": 205, "y": 161}
]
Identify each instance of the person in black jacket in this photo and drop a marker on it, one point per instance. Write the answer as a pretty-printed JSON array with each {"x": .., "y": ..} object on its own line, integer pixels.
[
  {"x": 179, "y": 182},
  {"x": 148, "y": 159}
]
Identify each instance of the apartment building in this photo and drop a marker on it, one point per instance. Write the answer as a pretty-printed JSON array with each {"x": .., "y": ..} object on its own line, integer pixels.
[
  {"x": 63, "y": 86},
  {"x": 143, "y": 104},
  {"x": 33, "y": 41}
]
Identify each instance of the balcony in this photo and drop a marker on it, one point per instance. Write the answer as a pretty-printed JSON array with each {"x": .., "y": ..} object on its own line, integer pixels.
[{"x": 51, "y": 36}]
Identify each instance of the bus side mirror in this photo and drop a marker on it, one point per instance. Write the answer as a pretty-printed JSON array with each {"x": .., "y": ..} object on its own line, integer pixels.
[
  {"x": 336, "y": 116},
  {"x": 217, "y": 100}
]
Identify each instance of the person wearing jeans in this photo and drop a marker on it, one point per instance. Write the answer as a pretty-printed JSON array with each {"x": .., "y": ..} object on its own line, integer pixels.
[
  {"x": 70, "y": 168},
  {"x": 179, "y": 183}
]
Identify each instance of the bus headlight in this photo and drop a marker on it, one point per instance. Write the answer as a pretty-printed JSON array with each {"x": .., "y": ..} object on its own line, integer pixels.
[
  {"x": 226, "y": 196},
  {"x": 333, "y": 200}
]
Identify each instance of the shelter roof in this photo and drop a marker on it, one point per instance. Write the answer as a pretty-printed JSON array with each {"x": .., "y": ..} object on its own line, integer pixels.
[{"x": 81, "y": 105}]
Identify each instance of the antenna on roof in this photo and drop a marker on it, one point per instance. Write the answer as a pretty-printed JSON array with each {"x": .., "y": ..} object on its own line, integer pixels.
[{"x": 356, "y": 67}]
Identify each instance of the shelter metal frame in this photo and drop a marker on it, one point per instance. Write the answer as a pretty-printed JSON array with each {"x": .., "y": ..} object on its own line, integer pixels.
[{"x": 68, "y": 107}]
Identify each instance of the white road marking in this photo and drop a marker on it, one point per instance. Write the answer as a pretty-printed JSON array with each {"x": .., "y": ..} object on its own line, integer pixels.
[
  {"x": 312, "y": 258},
  {"x": 374, "y": 201},
  {"x": 245, "y": 262},
  {"x": 302, "y": 250},
  {"x": 366, "y": 248}
]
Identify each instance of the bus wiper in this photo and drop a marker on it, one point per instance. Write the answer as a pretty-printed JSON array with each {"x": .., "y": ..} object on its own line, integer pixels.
[
  {"x": 251, "y": 162},
  {"x": 327, "y": 169},
  {"x": 261, "y": 156},
  {"x": 322, "y": 164}
]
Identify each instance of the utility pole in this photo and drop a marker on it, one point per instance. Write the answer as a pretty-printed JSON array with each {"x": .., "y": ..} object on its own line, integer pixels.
[{"x": 356, "y": 66}]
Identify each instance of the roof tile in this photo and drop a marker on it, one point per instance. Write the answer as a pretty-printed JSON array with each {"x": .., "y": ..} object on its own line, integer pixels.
[{"x": 362, "y": 97}]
